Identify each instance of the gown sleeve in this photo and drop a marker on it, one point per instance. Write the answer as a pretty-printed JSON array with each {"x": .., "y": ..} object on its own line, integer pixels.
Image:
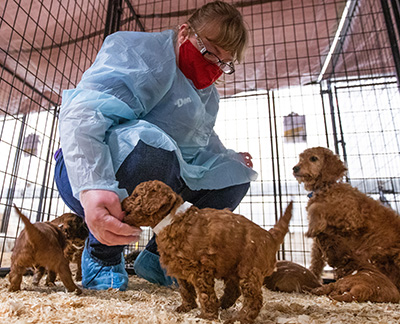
[{"x": 129, "y": 76}]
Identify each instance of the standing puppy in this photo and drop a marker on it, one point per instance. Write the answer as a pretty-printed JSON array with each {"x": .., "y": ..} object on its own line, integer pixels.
[
  {"x": 75, "y": 232},
  {"x": 197, "y": 246},
  {"x": 40, "y": 244}
]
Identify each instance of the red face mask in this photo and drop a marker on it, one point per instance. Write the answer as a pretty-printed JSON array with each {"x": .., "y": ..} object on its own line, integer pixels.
[{"x": 195, "y": 67}]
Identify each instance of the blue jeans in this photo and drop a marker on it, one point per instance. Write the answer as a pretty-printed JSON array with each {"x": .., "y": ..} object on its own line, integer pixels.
[{"x": 142, "y": 164}]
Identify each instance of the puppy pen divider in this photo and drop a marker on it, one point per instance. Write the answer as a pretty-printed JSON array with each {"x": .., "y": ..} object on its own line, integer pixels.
[{"x": 334, "y": 64}]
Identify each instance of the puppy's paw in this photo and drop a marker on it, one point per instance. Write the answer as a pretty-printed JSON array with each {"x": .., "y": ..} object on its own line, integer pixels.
[
  {"x": 318, "y": 291},
  {"x": 208, "y": 316},
  {"x": 77, "y": 291},
  {"x": 185, "y": 307},
  {"x": 13, "y": 289}
]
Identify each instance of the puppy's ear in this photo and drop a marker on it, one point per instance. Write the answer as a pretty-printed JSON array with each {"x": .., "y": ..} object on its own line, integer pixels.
[
  {"x": 68, "y": 228},
  {"x": 153, "y": 204},
  {"x": 334, "y": 168},
  {"x": 160, "y": 200}
]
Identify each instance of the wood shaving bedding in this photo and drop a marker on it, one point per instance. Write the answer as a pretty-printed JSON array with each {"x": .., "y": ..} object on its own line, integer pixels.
[{"x": 146, "y": 303}]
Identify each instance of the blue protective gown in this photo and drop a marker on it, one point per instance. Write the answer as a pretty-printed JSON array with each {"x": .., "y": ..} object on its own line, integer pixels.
[{"x": 135, "y": 91}]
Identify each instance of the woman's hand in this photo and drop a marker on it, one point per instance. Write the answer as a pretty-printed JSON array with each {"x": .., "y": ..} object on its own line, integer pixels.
[
  {"x": 247, "y": 159},
  {"x": 103, "y": 216}
]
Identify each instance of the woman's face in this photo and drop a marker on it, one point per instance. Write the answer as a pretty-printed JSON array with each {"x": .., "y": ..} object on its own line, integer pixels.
[{"x": 206, "y": 37}]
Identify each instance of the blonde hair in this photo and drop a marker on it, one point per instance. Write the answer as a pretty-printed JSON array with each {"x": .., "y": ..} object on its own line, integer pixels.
[{"x": 232, "y": 33}]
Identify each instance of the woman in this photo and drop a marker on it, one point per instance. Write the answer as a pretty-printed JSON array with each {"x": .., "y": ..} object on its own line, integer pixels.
[{"x": 145, "y": 110}]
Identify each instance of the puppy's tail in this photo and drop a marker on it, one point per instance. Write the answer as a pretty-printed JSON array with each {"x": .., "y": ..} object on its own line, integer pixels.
[
  {"x": 33, "y": 233},
  {"x": 280, "y": 229}
]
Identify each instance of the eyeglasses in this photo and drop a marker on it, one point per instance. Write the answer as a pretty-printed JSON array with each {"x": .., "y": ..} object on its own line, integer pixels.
[{"x": 226, "y": 67}]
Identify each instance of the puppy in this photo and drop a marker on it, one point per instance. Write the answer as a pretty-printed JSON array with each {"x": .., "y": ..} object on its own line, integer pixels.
[
  {"x": 40, "y": 244},
  {"x": 366, "y": 284},
  {"x": 361, "y": 286},
  {"x": 75, "y": 232},
  {"x": 291, "y": 277},
  {"x": 197, "y": 246},
  {"x": 341, "y": 216}
]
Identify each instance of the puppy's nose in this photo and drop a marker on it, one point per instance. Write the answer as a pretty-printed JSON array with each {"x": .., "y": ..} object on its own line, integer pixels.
[{"x": 296, "y": 169}]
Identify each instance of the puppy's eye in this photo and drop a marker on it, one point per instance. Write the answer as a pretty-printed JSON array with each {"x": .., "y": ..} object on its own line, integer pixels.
[{"x": 313, "y": 159}]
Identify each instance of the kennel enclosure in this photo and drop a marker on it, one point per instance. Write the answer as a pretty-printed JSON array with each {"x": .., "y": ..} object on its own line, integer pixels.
[{"x": 316, "y": 73}]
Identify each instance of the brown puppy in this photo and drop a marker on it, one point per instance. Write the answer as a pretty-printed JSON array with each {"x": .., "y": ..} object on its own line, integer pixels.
[
  {"x": 358, "y": 280},
  {"x": 361, "y": 285},
  {"x": 75, "y": 232},
  {"x": 341, "y": 217},
  {"x": 40, "y": 244},
  {"x": 197, "y": 246},
  {"x": 291, "y": 277}
]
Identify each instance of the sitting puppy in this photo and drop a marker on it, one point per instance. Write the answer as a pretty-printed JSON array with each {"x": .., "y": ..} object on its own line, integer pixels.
[
  {"x": 40, "y": 244},
  {"x": 76, "y": 232},
  {"x": 341, "y": 216},
  {"x": 197, "y": 246},
  {"x": 291, "y": 277}
]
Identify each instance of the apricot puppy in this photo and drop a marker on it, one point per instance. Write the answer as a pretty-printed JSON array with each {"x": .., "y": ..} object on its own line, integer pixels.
[
  {"x": 197, "y": 246},
  {"x": 75, "y": 232},
  {"x": 40, "y": 244}
]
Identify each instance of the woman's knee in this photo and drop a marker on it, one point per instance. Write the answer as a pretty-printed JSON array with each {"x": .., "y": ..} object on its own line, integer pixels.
[{"x": 149, "y": 163}]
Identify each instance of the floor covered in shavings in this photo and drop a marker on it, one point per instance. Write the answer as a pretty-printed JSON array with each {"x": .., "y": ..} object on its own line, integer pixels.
[{"x": 146, "y": 303}]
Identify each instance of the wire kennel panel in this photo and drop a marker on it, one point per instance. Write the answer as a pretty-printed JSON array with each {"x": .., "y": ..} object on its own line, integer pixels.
[{"x": 45, "y": 48}]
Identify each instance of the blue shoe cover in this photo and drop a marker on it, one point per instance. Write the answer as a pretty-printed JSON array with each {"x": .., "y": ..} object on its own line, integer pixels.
[{"x": 101, "y": 277}]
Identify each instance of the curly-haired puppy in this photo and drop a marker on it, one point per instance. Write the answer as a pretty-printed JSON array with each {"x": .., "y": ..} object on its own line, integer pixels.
[
  {"x": 291, "y": 277},
  {"x": 337, "y": 212},
  {"x": 197, "y": 246},
  {"x": 361, "y": 286},
  {"x": 360, "y": 281},
  {"x": 76, "y": 232},
  {"x": 40, "y": 244}
]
